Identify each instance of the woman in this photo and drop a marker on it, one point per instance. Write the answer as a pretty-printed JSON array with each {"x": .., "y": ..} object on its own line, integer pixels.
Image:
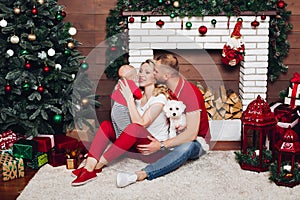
[{"x": 147, "y": 112}]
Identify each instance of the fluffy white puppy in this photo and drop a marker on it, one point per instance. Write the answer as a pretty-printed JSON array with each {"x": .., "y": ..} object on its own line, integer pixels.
[{"x": 175, "y": 112}]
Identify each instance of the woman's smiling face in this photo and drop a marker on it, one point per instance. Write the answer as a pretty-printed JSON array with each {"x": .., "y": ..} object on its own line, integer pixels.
[{"x": 146, "y": 76}]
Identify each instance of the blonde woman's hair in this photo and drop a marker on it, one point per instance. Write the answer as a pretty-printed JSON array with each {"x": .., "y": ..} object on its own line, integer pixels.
[{"x": 161, "y": 89}]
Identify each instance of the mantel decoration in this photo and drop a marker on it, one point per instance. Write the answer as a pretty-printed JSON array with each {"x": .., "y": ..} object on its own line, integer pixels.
[{"x": 279, "y": 25}]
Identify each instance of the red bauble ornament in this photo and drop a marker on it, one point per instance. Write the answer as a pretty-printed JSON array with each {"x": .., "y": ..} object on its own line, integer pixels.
[
  {"x": 7, "y": 88},
  {"x": 113, "y": 48},
  {"x": 263, "y": 17},
  {"x": 63, "y": 13},
  {"x": 281, "y": 4},
  {"x": 131, "y": 19},
  {"x": 202, "y": 30},
  {"x": 34, "y": 11},
  {"x": 46, "y": 69},
  {"x": 160, "y": 23},
  {"x": 255, "y": 23},
  {"x": 40, "y": 89},
  {"x": 27, "y": 65}
]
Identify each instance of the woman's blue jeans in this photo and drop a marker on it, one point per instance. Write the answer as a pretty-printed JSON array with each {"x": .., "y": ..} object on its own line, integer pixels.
[{"x": 174, "y": 159}]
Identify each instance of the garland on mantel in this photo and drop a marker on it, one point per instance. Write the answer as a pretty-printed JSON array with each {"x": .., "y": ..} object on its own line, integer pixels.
[{"x": 117, "y": 37}]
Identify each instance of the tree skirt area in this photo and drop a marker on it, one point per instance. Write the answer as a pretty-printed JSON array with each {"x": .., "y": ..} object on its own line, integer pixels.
[{"x": 216, "y": 175}]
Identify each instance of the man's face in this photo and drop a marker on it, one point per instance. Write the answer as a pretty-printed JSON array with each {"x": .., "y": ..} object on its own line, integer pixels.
[{"x": 159, "y": 73}]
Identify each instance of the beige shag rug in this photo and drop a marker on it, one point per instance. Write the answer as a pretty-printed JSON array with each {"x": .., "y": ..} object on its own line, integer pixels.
[{"x": 216, "y": 175}]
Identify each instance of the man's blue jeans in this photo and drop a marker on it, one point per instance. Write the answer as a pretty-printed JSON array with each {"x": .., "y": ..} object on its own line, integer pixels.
[{"x": 174, "y": 159}]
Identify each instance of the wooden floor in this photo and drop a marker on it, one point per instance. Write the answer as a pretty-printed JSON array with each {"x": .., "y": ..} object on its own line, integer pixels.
[{"x": 10, "y": 190}]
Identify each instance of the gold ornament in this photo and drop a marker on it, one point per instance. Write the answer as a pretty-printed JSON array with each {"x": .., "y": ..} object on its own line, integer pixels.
[
  {"x": 14, "y": 39},
  {"x": 17, "y": 11},
  {"x": 41, "y": 1},
  {"x": 176, "y": 4},
  {"x": 31, "y": 37},
  {"x": 85, "y": 101},
  {"x": 71, "y": 45}
]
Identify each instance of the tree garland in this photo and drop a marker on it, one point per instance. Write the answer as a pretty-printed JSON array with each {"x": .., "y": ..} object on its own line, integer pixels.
[
  {"x": 284, "y": 177},
  {"x": 117, "y": 38},
  {"x": 251, "y": 158}
]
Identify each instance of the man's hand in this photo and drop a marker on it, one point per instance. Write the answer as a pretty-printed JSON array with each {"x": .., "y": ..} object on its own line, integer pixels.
[{"x": 150, "y": 148}]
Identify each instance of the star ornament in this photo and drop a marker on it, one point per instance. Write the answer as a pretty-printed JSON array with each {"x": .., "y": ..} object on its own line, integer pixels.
[{"x": 42, "y": 55}]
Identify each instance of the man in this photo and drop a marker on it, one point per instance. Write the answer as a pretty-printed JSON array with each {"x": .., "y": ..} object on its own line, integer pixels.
[{"x": 184, "y": 145}]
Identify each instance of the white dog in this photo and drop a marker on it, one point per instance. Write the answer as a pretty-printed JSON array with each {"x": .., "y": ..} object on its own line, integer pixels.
[{"x": 175, "y": 112}]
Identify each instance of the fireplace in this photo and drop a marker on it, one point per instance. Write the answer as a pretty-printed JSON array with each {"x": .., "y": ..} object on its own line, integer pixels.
[{"x": 145, "y": 37}]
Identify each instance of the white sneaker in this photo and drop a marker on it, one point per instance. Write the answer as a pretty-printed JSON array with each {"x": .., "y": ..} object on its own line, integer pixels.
[{"x": 126, "y": 178}]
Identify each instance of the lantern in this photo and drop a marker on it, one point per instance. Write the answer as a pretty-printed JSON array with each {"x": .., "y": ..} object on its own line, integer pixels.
[
  {"x": 285, "y": 172},
  {"x": 259, "y": 122}
]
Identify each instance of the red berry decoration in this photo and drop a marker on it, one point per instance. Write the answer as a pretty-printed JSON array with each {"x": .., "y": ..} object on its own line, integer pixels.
[
  {"x": 34, "y": 11},
  {"x": 27, "y": 65},
  {"x": 113, "y": 48},
  {"x": 160, "y": 23},
  {"x": 263, "y": 17},
  {"x": 46, "y": 69},
  {"x": 202, "y": 30},
  {"x": 280, "y": 4},
  {"x": 255, "y": 23},
  {"x": 131, "y": 20},
  {"x": 7, "y": 88},
  {"x": 40, "y": 89}
]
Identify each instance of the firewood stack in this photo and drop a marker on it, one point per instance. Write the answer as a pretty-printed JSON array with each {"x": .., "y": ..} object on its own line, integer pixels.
[{"x": 222, "y": 104}]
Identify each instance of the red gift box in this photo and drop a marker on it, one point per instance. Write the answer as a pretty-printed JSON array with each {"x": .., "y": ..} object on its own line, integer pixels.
[
  {"x": 63, "y": 143},
  {"x": 285, "y": 113},
  {"x": 56, "y": 159},
  {"x": 44, "y": 143}
]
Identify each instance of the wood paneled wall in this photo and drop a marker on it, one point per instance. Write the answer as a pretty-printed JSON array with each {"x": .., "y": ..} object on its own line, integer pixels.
[{"x": 89, "y": 17}]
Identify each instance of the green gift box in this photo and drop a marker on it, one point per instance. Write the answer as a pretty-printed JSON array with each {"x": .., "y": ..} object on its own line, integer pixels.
[
  {"x": 25, "y": 149},
  {"x": 10, "y": 167},
  {"x": 38, "y": 160}
]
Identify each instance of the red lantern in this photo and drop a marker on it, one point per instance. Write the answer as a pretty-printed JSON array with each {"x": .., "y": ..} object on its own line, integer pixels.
[
  {"x": 131, "y": 20},
  {"x": 281, "y": 4},
  {"x": 160, "y": 23},
  {"x": 202, "y": 30},
  {"x": 258, "y": 122},
  {"x": 255, "y": 23},
  {"x": 288, "y": 147},
  {"x": 40, "y": 89}
]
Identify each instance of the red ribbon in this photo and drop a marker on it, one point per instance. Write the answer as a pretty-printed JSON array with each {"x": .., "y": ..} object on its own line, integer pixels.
[{"x": 296, "y": 81}]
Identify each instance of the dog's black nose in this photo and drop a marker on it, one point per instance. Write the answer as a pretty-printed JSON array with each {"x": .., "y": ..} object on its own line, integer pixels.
[{"x": 174, "y": 114}]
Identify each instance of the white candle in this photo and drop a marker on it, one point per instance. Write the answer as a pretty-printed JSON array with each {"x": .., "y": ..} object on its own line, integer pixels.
[
  {"x": 257, "y": 152},
  {"x": 287, "y": 167}
]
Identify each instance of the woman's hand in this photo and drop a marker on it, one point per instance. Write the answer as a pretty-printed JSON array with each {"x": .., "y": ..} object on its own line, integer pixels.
[
  {"x": 150, "y": 148},
  {"x": 125, "y": 90}
]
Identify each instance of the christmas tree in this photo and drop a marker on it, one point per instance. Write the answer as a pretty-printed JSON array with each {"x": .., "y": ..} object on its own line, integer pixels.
[{"x": 43, "y": 84}]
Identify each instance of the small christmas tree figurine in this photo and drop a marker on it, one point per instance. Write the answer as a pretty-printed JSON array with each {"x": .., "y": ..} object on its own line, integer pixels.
[{"x": 39, "y": 68}]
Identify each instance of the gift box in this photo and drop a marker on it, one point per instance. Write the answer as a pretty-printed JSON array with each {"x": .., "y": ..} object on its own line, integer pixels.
[
  {"x": 56, "y": 159},
  {"x": 39, "y": 160},
  {"x": 83, "y": 134},
  {"x": 11, "y": 168},
  {"x": 7, "y": 139},
  {"x": 293, "y": 97},
  {"x": 284, "y": 113},
  {"x": 25, "y": 149},
  {"x": 49, "y": 136},
  {"x": 72, "y": 163},
  {"x": 63, "y": 143},
  {"x": 44, "y": 143}
]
